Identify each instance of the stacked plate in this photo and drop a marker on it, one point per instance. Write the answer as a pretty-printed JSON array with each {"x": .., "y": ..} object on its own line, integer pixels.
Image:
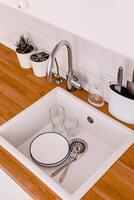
[{"x": 49, "y": 149}]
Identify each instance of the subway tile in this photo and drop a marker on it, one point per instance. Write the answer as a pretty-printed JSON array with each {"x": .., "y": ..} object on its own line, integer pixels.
[
  {"x": 86, "y": 63},
  {"x": 28, "y": 21},
  {"x": 41, "y": 41},
  {"x": 41, "y": 27},
  {"x": 76, "y": 42},
  {"x": 130, "y": 68},
  {"x": 100, "y": 54}
]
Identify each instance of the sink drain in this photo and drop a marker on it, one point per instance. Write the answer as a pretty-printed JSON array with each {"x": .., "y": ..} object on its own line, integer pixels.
[
  {"x": 90, "y": 120},
  {"x": 80, "y": 145}
]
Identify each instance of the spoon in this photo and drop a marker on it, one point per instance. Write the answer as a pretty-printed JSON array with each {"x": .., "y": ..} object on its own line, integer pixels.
[
  {"x": 80, "y": 145},
  {"x": 130, "y": 85},
  {"x": 71, "y": 158}
]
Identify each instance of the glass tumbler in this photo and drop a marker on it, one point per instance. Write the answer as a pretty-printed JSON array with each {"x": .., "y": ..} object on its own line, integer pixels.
[
  {"x": 95, "y": 95},
  {"x": 71, "y": 124},
  {"x": 57, "y": 117}
]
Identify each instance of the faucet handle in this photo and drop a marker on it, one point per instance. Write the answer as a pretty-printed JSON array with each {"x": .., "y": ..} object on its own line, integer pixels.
[
  {"x": 76, "y": 82},
  {"x": 73, "y": 82}
]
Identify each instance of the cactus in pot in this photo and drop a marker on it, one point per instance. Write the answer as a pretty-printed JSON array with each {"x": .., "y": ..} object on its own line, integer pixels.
[
  {"x": 39, "y": 56},
  {"x": 24, "y": 49},
  {"x": 39, "y": 62}
]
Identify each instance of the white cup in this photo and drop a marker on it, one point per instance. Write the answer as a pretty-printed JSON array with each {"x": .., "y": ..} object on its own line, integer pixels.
[{"x": 121, "y": 106}]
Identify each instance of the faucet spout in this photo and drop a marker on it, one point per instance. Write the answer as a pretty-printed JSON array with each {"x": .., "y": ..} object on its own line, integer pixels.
[
  {"x": 72, "y": 80},
  {"x": 49, "y": 69}
]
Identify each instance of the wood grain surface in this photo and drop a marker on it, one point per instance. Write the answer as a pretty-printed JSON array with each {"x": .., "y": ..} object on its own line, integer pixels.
[{"x": 19, "y": 88}]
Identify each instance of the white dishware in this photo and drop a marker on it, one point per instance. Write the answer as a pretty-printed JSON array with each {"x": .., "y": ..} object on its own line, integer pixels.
[
  {"x": 121, "y": 105},
  {"x": 49, "y": 149}
]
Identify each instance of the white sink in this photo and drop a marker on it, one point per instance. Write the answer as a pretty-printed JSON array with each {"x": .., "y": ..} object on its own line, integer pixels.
[{"x": 107, "y": 141}]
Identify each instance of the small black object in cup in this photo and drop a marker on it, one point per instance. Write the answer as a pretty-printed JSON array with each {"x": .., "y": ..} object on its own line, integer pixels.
[
  {"x": 124, "y": 91},
  {"x": 130, "y": 87}
]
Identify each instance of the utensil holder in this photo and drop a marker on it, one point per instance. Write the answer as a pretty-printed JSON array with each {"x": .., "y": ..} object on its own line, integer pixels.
[{"x": 121, "y": 105}]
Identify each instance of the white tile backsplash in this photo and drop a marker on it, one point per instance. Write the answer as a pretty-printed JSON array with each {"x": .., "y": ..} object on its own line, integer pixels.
[
  {"x": 76, "y": 42},
  {"x": 88, "y": 58},
  {"x": 101, "y": 54}
]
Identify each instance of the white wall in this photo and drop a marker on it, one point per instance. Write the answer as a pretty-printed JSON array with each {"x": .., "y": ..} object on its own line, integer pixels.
[
  {"x": 89, "y": 58},
  {"x": 107, "y": 23}
]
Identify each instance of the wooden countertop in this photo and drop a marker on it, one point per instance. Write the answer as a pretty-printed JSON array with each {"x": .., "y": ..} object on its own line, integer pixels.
[{"x": 19, "y": 88}]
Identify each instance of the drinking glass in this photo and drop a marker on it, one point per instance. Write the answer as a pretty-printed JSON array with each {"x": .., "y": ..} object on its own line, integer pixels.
[
  {"x": 95, "y": 95},
  {"x": 57, "y": 117},
  {"x": 71, "y": 124}
]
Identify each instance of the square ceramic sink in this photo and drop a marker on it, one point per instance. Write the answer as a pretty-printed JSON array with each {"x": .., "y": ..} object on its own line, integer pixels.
[{"x": 107, "y": 141}]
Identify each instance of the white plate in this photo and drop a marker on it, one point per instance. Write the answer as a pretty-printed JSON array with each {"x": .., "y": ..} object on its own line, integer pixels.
[{"x": 49, "y": 148}]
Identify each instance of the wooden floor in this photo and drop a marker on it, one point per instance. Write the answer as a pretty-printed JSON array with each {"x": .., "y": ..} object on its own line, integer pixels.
[{"x": 20, "y": 88}]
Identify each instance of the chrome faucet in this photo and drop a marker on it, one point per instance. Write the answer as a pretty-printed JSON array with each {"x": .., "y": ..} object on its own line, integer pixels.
[{"x": 72, "y": 80}]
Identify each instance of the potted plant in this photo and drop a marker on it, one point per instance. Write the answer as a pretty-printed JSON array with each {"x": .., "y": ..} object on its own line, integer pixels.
[
  {"x": 39, "y": 60},
  {"x": 23, "y": 51}
]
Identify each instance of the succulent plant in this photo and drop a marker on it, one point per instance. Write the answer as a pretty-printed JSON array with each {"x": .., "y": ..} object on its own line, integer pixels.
[
  {"x": 23, "y": 45},
  {"x": 39, "y": 57}
]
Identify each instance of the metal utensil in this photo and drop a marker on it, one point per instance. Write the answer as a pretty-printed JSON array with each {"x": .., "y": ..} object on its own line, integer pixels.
[
  {"x": 81, "y": 147},
  {"x": 71, "y": 158},
  {"x": 130, "y": 85},
  {"x": 119, "y": 80}
]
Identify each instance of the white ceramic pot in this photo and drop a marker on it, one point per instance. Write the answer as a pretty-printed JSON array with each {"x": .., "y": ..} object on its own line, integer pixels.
[
  {"x": 121, "y": 105},
  {"x": 24, "y": 59},
  {"x": 39, "y": 68}
]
